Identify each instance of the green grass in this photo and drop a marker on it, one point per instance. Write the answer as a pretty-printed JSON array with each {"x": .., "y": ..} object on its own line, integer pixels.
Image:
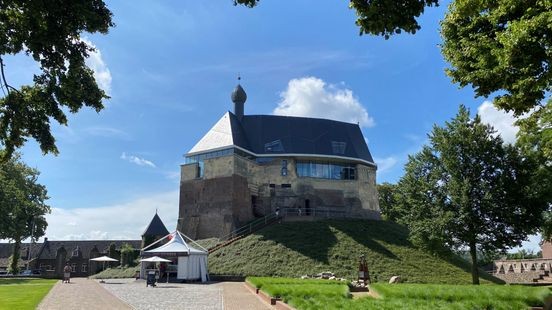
[
  {"x": 117, "y": 273},
  {"x": 322, "y": 294},
  {"x": 20, "y": 294},
  {"x": 298, "y": 248}
]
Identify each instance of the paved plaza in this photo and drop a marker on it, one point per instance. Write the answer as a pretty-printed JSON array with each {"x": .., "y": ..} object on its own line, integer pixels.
[{"x": 83, "y": 293}]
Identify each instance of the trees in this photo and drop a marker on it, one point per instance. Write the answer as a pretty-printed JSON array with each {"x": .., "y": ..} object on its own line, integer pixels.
[
  {"x": 381, "y": 17},
  {"x": 387, "y": 200},
  {"x": 49, "y": 32},
  {"x": 22, "y": 205},
  {"x": 535, "y": 140},
  {"x": 501, "y": 46},
  {"x": 466, "y": 189},
  {"x": 127, "y": 254}
]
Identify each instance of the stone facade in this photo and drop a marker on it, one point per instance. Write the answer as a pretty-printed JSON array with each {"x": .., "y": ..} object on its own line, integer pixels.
[
  {"x": 50, "y": 257},
  {"x": 234, "y": 190},
  {"x": 546, "y": 248}
]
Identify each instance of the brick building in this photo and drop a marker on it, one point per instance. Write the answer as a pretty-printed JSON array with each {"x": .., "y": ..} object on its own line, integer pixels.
[{"x": 51, "y": 256}]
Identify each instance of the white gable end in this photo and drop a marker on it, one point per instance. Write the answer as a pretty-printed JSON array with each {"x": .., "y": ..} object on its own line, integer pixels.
[{"x": 219, "y": 136}]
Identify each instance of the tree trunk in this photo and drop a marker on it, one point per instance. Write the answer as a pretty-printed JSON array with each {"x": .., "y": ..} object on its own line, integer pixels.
[
  {"x": 14, "y": 268},
  {"x": 475, "y": 270}
]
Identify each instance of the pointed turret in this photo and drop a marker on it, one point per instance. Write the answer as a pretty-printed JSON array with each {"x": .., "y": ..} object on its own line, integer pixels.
[{"x": 155, "y": 231}]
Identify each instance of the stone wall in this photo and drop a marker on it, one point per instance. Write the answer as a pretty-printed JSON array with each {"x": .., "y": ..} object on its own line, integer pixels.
[
  {"x": 525, "y": 277},
  {"x": 234, "y": 189}
]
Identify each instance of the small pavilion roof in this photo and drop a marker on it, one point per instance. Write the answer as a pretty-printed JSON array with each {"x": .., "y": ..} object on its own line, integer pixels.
[{"x": 156, "y": 227}]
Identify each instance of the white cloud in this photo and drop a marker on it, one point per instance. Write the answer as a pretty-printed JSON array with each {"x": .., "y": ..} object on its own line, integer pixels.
[
  {"x": 97, "y": 64},
  {"x": 312, "y": 97},
  {"x": 137, "y": 160},
  {"x": 126, "y": 220},
  {"x": 385, "y": 164},
  {"x": 501, "y": 121}
]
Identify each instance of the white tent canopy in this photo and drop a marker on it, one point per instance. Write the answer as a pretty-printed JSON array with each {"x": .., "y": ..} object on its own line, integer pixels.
[
  {"x": 155, "y": 259},
  {"x": 192, "y": 261},
  {"x": 104, "y": 259}
]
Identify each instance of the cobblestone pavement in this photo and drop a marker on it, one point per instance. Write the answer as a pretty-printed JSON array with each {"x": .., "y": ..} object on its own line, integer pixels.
[
  {"x": 224, "y": 295},
  {"x": 81, "y": 293},
  {"x": 166, "y": 295}
]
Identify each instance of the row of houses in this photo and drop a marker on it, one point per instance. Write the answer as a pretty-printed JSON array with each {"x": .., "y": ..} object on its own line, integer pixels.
[{"x": 50, "y": 256}]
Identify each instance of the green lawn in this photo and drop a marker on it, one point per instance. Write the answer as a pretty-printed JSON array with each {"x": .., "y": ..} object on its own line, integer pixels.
[
  {"x": 323, "y": 294},
  {"x": 16, "y": 294}
]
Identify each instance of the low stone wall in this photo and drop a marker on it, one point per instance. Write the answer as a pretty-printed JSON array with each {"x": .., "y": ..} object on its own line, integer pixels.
[{"x": 524, "y": 277}]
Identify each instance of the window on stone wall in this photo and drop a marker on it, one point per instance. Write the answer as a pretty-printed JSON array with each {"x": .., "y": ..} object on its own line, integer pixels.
[
  {"x": 284, "y": 167},
  {"x": 73, "y": 267},
  {"x": 84, "y": 268},
  {"x": 326, "y": 170}
]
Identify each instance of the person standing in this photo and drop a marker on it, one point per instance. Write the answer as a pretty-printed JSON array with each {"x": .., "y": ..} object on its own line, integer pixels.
[{"x": 67, "y": 273}]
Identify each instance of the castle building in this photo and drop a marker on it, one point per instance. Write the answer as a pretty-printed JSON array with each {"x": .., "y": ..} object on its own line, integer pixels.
[{"x": 248, "y": 166}]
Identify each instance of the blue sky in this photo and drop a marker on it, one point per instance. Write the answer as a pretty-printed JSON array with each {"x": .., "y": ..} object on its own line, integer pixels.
[{"x": 170, "y": 66}]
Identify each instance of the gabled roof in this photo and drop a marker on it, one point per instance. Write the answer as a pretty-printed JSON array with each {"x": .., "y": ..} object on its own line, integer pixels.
[
  {"x": 49, "y": 248},
  {"x": 156, "y": 227},
  {"x": 273, "y": 135}
]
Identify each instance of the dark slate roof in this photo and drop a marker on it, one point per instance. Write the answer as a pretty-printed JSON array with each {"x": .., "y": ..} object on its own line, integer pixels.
[
  {"x": 272, "y": 134},
  {"x": 156, "y": 227},
  {"x": 7, "y": 248},
  {"x": 48, "y": 250}
]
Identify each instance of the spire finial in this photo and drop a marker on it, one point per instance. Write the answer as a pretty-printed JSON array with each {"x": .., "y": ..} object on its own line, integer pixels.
[
  {"x": 239, "y": 77},
  {"x": 155, "y": 210}
]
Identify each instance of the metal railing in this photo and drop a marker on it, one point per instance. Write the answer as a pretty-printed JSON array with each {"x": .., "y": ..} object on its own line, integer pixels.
[
  {"x": 324, "y": 212},
  {"x": 251, "y": 226}
]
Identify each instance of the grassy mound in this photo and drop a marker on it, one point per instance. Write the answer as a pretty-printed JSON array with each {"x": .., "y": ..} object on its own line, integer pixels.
[
  {"x": 117, "y": 273},
  {"x": 298, "y": 248}
]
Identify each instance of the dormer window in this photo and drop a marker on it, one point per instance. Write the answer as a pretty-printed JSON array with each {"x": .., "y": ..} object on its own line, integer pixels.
[
  {"x": 274, "y": 146},
  {"x": 339, "y": 147}
]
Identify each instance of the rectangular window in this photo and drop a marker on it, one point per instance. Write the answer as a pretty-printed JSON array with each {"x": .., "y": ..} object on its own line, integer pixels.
[
  {"x": 284, "y": 168},
  {"x": 286, "y": 185},
  {"x": 84, "y": 267},
  {"x": 326, "y": 170},
  {"x": 73, "y": 267}
]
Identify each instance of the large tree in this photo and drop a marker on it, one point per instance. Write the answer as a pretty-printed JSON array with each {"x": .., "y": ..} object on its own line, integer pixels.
[
  {"x": 49, "y": 32},
  {"x": 501, "y": 46},
  {"x": 22, "y": 205},
  {"x": 467, "y": 189},
  {"x": 381, "y": 17},
  {"x": 535, "y": 140},
  {"x": 387, "y": 201}
]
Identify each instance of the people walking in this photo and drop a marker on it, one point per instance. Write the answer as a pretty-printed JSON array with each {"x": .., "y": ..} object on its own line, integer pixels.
[{"x": 67, "y": 273}]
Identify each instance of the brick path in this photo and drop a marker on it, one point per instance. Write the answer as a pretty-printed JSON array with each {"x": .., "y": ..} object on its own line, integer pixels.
[
  {"x": 237, "y": 297},
  {"x": 81, "y": 293}
]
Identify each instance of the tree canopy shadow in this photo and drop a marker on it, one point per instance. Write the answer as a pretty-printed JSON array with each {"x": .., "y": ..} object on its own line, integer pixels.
[{"x": 311, "y": 239}]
